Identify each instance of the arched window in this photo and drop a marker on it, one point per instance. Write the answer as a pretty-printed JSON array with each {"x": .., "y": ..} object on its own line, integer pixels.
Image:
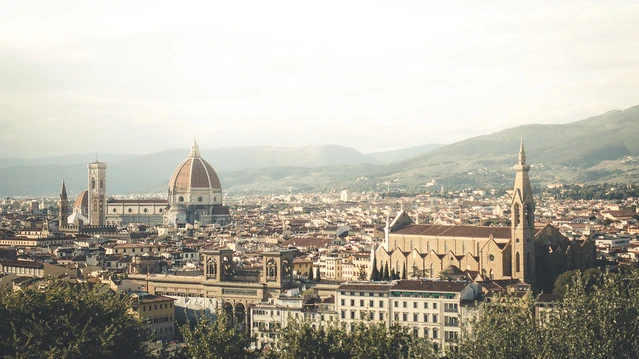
[
  {"x": 211, "y": 267},
  {"x": 92, "y": 183},
  {"x": 271, "y": 270},
  {"x": 516, "y": 218},
  {"x": 529, "y": 215},
  {"x": 100, "y": 184},
  {"x": 517, "y": 264}
]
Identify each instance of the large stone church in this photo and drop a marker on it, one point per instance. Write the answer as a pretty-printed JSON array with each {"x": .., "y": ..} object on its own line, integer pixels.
[
  {"x": 194, "y": 195},
  {"x": 532, "y": 254}
]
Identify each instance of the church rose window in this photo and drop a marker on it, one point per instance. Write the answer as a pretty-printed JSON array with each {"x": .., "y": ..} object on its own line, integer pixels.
[
  {"x": 491, "y": 257},
  {"x": 181, "y": 199},
  {"x": 199, "y": 199}
]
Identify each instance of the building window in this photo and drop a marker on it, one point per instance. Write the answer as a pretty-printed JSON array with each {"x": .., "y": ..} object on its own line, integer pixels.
[
  {"x": 415, "y": 317},
  {"x": 381, "y": 315},
  {"x": 371, "y": 303},
  {"x": 343, "y": 314},
  {"x": 352, "y": 302},
  {"x": 435, "y": 318},
  {"x": 435, "y": 333},
  {"x": 343, "y": 302},
  {"x": 381, "y": 304},
  {"x": 434, "y": 305},
  {"x": 361, "y": 303},
  {"x": 404, "y": 304},
  {"x": 425, "y": 318},
  {"x": 180, "y": 199},
  {"x": 414, "y": 304}
]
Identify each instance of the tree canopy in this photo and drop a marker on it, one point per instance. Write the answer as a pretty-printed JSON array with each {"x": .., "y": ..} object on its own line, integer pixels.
[
  {"x": 210, "y": 339},
  {"x": 69, "y": 320},
  {"x": 367, "y": 340},
  {"x": 598, "y": 318}
]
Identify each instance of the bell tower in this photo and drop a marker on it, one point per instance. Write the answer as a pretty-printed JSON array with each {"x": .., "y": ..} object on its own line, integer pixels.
[
  {"x": 97, "y": 193},
  {"x": 63, "y": 206},
  {"x": 522, "y": 223}
]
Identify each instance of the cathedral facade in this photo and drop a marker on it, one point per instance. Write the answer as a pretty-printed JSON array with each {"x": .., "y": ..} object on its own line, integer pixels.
[{"x": 523, "y": 251}]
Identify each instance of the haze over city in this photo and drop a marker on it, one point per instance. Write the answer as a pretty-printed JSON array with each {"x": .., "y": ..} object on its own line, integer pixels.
[{"x": 139, "y": 77}]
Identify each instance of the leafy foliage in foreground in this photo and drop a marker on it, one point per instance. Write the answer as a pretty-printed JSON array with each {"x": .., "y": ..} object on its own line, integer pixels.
[
  {"x": 69, "y": 321},
  {"x": 596, "y": 319},
  {"x": 209, "y": 339},
  {"x": 367, "y": 340}
]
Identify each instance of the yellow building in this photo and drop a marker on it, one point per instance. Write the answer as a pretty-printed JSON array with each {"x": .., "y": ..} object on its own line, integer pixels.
[{"x": 157, "y": 311}]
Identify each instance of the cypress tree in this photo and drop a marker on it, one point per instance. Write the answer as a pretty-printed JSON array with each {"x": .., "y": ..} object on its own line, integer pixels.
[
  {"x": 386, "y": 275},
  {"x": 404, "y": 272},
  {"x": 310, "y": 274},
  {"x": 375, "y": 275}
]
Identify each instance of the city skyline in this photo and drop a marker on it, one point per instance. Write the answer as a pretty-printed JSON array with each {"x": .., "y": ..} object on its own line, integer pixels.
[{"x": 148, "y": 76}]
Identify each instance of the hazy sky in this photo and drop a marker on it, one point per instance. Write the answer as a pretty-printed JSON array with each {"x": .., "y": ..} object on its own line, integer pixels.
[{"x": 142, "y": 76}]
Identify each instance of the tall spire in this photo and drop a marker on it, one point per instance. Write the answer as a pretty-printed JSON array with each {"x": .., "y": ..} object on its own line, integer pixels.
[
  {"x": 522, "y": 153},
  {"x": 195, "y": 149},
  {"x": 63, "y": 191}
]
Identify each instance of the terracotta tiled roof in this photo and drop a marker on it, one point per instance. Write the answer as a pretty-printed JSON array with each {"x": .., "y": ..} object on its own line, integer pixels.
[
  {"x": 430, "y": 286},
  {"x": 194, "y": 172},
  {"x": 411, "y": 285},
  {"x": 307, "y": 242},
  {"x": 367, "y": 286},
  {"x": 455, "y": 231},
  {"x": 82, "y": 200}
]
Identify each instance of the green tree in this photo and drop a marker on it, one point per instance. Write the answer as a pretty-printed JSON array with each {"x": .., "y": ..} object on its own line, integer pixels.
[
  {"x": 386, "y": 274},
  {"x": 375, "y": 275},
  {"x": 367, "y": 340},
  {"x": 506, "y": 328},
  {"x": 404, "y": 272},
  {"x": 375, "y": 340},
  {"x": 310, "y": 274},
  {"x": 69, "y": 320},
  {"x": 209, "y": 339},
  {"x": 300, "y": 340},
  {"x": 598, "y": 317}
]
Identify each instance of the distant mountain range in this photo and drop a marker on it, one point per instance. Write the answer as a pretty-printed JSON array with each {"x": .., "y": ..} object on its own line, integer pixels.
[
  {"x": 601, "y": 148},
  {"x": 150, "y": 173}
]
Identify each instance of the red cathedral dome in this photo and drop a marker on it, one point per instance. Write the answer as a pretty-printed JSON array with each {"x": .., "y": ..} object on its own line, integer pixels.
[{"x": 194, "y": 172}]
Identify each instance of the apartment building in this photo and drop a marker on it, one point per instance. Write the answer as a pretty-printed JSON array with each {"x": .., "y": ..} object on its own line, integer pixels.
[
  {"x": 431, "y": 309},
  {"x": 157, "y": 311},
  {"x": 267, "y": 319}
]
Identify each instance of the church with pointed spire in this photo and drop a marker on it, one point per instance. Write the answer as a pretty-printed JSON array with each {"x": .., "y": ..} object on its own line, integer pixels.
[{"x": 526, "y": 252}]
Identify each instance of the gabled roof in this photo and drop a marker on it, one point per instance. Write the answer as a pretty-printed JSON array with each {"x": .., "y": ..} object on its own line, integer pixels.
[{"x": 455, "y": 231}]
